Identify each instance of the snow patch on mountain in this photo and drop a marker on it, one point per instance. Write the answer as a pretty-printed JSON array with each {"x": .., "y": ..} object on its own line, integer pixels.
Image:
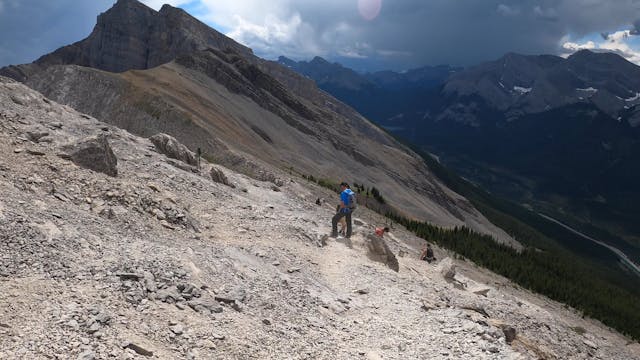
[
  {"x": 522, "y": 90},
  {"x": 589, "y": 89},
  {"x": 633, "y": 98}
]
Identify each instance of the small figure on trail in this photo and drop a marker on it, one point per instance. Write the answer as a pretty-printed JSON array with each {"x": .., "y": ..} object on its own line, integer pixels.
[
  {"x": 346, "y": 207},
  {"x": 381, "y": 230},
  {"x": 318, "y": 202},
  {"x": 427, "y": 254}
]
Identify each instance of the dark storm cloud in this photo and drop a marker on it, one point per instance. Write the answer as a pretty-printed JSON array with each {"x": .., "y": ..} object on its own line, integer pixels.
[
  {"x": 416, "y": 32},
  {"x": 31, "y": 28},
  {"x": 406, "y": 33},
  {"x": 636, "y": 28}
]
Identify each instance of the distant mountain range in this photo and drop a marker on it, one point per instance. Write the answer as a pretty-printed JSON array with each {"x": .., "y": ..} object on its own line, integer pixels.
[
  {"x": 561, "y": 135},
  {"x": 337, "y": 76},
  {"x": 378, "y": 95}
]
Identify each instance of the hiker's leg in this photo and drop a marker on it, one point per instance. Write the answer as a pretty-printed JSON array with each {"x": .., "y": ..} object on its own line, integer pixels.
[
  {"x": 334, "y": 224},
  {"x": 348, "y": 216}
]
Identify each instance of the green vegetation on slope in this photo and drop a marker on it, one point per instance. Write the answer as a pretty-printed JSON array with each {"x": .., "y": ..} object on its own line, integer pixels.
[{"x": 556, "y": 274}]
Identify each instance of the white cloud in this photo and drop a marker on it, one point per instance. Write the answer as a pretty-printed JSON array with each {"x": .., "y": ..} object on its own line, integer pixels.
[
  {"x": 615, "y": 42},
  {"x": 411, "y": 33},
  {"x": 295, "y": 29},
  {"x": 571, "y": 46},
  {"x": 276, "y": 36}
]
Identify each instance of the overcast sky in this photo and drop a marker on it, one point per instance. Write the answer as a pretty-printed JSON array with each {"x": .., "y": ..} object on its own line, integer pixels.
[{"x": 364, "y": 34}]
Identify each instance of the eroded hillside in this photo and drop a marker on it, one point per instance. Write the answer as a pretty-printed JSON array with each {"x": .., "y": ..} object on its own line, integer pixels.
[{"x": 161, "y": 261}]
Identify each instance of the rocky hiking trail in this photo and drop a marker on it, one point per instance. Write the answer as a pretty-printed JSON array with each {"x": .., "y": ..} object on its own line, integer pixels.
[{"x": 142, "y": 256}]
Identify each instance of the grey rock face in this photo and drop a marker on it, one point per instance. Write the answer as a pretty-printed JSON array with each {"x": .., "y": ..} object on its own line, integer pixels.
[
  {"x": 379, "y": 251},
  {"x": 131, "y": 35},
  {"x": 218, "y": 176},
  {"x": 93, "y": 153},
  {"x": 171, "y": 147}
]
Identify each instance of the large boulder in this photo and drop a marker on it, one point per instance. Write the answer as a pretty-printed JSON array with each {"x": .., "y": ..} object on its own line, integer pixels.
[
  {"x": 447, "y": 268},
  {"x": 171, "y": 147},
  {"x": 218, "y": 176},
  {"x": 379, "y": 251},
  {"x": 93, "y": 153}
]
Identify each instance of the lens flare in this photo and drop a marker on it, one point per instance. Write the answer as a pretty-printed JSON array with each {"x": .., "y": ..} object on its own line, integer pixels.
[{"x": 369, "y": 9}]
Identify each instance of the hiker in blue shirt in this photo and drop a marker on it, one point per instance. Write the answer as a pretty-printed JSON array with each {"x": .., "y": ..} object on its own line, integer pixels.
[{"x": 347, "y": 205}]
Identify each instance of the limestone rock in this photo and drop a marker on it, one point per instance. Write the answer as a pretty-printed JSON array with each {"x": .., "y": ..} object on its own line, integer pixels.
[
  {"x": 218, "y": 176},
  {"x": 149, "y": 282},
  {"x": 35, "y": 136},
  {"x": 232, "y": 297},
  {"x": 379, "y": 251},
  {"x": 169, "y": 295},
  {"x": 447, "y": 268},
  {"x": 87, "y": 355},
  {"x": 177, "y": 329},
  {"x": 93, "y": 153},
  {"x": 172, "y": 148},
  {"x": 205, "y": 305},
  {"x": 509, "y": 333},
  {"x": 138, "y": 349}
]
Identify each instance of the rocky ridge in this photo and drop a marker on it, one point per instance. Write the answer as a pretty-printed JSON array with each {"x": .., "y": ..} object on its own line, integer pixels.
[
  {"x": 518, "y": 85},
  {"x": 160, "y": 261}
]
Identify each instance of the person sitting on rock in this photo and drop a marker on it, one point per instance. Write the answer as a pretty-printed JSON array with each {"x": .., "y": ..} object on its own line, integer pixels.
[
  {"x": 427, "y": 254},
  {"x": 381, "y": 230}
]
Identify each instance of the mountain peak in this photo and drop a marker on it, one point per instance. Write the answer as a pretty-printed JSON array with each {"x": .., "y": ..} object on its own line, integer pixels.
[
  {"x": 131, "y": 35},
  {"x": 133, "y": 10},
  {"x": 582, "y": 53},
  {"x": 596, "y": 56},
  {"x": 128, "y": 5},
  {"x": 319, "y": 60}
]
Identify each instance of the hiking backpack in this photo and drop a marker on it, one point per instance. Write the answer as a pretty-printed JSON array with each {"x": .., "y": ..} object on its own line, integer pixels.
[{"x": 352, "y": 201}]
